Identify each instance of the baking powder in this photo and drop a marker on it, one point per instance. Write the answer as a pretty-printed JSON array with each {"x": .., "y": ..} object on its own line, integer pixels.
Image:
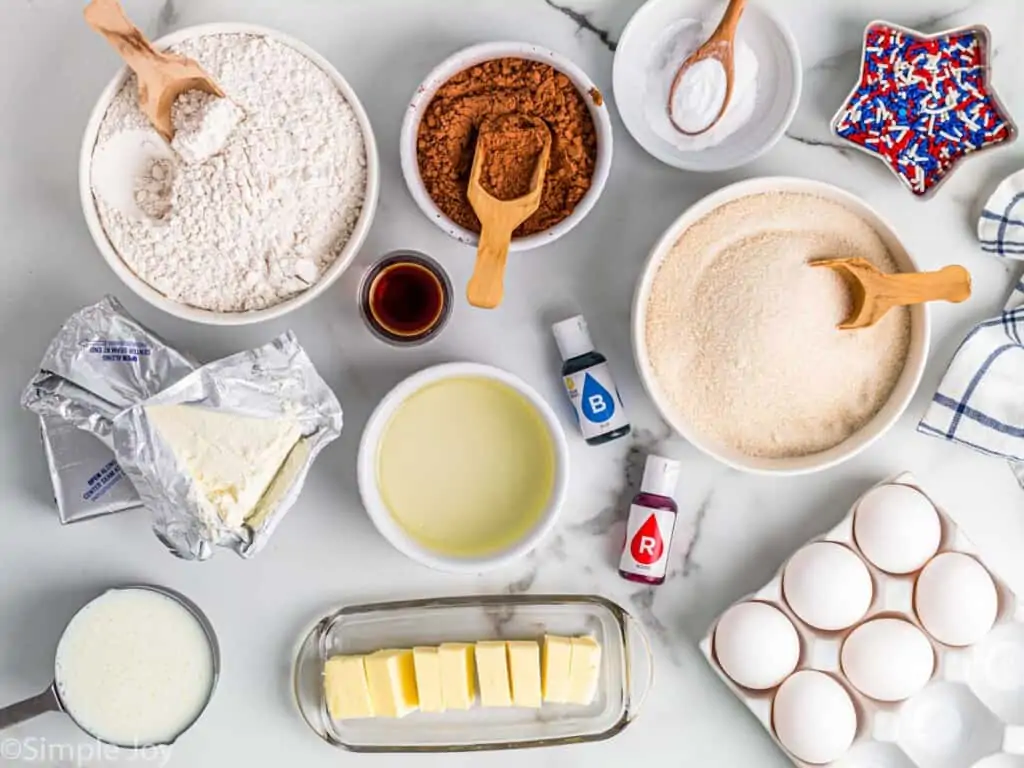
[
  {"x": 699, "y": 95},
  {"x": 262, "y": 219},
  {"x": 701, "y": 89}
]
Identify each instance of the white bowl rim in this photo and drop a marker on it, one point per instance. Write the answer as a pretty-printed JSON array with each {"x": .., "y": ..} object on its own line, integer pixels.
[
  {"x": 914, "y": 366},
  {"x": 206, "y": 316},
  {"x": 474, "y": 54},
  {"x": 366, "y": 469},
  {"x": 679, "y": 159}
]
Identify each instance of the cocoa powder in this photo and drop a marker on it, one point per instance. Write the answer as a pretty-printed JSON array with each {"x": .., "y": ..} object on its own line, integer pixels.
[
  {"x": 448, "y": 131},
  {"x": 512, "y": 145}
]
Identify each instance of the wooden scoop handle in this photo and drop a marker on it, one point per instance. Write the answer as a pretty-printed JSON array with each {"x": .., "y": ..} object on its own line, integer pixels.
[
  {"x": 486, "y": 286},
  {"x": 952, "y": 283},
  {"x": 108, "y": 18}
]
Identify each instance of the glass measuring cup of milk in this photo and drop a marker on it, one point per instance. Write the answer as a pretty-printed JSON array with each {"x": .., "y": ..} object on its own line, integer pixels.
[{"x": 135, "y": 668}]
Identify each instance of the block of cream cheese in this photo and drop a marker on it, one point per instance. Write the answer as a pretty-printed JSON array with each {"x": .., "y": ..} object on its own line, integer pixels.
[
  {"x": 492, "y": 672},
  {"x": 231, "y": 458},
  {"x": 428, "y": 679},
  {"x": 391, "y": 677},
  {"x": 458, "y": 673},
  {"x": 524, "y": 670},
  {"x": 555, "y": 663},
  {"x": 346, "y": 689},
  {"x": 584, "y": 670}
]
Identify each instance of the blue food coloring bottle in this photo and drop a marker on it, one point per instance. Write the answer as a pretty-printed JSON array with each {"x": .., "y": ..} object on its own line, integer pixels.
[{"x": 588, "y": 381}]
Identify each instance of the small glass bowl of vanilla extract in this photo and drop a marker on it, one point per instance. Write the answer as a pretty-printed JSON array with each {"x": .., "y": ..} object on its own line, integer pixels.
[{"x": 406, "y": 298}]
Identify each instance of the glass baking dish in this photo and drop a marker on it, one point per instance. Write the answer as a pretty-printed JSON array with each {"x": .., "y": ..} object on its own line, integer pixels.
[{"x": 627, "y": 672}]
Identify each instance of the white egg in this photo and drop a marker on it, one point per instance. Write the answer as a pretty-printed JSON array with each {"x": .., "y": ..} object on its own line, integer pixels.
[
  {"x": 897, "y": 528},
  {"x": 888, "y": 659},
  {"x": 956, "y": 599},
  {"x": 827, "y": 585},
  {"x": 756, "y": 645},
  {"x": 813, "y": 717}
]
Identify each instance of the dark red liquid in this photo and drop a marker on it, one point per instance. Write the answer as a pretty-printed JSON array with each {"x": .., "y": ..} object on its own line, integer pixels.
[{"x": 406, "y": 299}]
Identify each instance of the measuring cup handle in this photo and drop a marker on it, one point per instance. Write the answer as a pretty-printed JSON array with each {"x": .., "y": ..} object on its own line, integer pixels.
[
  {"x": 46, "y": 701},
  {"x": 643, "y": 653}
]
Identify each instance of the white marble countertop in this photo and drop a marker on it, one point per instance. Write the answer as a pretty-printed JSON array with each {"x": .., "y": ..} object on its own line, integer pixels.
[{"x": 735, "y": 530}]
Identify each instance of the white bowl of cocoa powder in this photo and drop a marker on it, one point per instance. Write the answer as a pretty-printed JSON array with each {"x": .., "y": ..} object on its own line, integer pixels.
[
  {"x": 735, "y": 334},
  {"x": 439, "y": 131}
]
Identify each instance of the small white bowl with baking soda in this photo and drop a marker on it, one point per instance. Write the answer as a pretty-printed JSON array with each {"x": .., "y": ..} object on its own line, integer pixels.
[{"x": 463, "y": 467}]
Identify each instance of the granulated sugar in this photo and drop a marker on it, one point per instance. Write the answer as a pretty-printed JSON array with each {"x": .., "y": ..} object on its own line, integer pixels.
[
  {"x": 262, "y": 219},
  {"x": 741, "y": 332}
]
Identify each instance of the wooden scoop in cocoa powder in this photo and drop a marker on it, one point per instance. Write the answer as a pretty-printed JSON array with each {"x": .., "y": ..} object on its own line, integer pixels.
[
  {"x": 162, "y": 76},
  {"x": 511, "y": 159}
]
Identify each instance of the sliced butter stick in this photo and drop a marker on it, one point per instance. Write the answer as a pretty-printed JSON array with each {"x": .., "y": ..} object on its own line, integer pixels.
[
  {"x": 492, "y": 672},
  {"x": 458, "y": 675},
  {"x": 555, "y": 661},
  {"x": 524, "y": 671},
  {"x": 428, "y": 679},
  {"x": 391, "y": 676},
  {"x": 584, "y": 670},
  {"x": 345, "y": 688}
]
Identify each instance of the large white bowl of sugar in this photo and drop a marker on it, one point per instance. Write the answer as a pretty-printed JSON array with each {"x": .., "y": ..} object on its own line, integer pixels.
[{"x": 736, "y": 343}]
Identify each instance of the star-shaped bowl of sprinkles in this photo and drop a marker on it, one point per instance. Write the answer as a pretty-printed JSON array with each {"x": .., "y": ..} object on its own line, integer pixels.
[{"x": 924, "y": 102}]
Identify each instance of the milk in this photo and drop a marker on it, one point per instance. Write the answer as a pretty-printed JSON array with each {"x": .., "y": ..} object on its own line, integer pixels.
[{"x": 134, "y": 668}]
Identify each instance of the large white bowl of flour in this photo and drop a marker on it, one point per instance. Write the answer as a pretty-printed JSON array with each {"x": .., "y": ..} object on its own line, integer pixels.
[
  {"x": 735, "y": 339},
  {"x": 274, "y": 219}
]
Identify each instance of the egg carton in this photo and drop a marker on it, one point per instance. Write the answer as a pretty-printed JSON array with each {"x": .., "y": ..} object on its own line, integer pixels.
[{"x": 971, "y": 712}]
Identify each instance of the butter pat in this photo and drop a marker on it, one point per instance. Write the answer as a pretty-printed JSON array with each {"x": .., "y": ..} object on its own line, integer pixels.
[
  {"x": 428, "y": 679},
  {"x": 345, "y": 688},
  {"x": 555, "y": 664},
  {"x": 492, "y": 671},
  {"x": 584, "y": 670},
  {"x": 524, "y": 669},
  {"x": 457, "y": 675},
  {"x": 391, "y": 677},
  {"x": 232, "y": 459}
]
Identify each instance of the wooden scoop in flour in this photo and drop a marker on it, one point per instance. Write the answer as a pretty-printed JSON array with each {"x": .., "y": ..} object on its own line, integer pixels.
[
  {"x": 498, "y": 220},
  {"x": 162, "y": 76},
  {"x": 720, "y": 47},
  {"x": 875, "y": 293}
]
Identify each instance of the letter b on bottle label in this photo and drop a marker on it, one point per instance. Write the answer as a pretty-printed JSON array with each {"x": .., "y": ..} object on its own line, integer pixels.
[{"x": 596, "y": 400}]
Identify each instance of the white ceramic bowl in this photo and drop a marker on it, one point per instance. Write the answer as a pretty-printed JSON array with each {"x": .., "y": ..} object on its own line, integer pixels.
[
  {"x": 184, "y": 311},
  {"x": 476, "y": 54},
  {"x": 901, "y": 395},
  {"x": 381, "y": 516},
  {"x": 779, "y": 82}
]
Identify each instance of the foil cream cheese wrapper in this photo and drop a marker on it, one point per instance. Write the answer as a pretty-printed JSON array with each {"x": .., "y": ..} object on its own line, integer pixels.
[
  {"x": 101, "y": 362},
  {"x": 275, "y": 381},
  {"x": 87, "y": 481}
]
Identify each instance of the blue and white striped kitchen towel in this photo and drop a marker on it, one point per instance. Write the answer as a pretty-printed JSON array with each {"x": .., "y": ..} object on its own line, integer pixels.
[
  {"x": 980, "y": 401},
  {"x": 1001, "y": 224}
]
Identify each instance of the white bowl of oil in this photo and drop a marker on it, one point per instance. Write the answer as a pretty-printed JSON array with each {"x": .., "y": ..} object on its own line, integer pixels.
[{"x": 463, "y": 467}]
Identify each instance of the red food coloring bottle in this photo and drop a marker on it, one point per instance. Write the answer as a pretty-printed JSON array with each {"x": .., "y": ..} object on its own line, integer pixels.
[{"x": 652, "y": 519}]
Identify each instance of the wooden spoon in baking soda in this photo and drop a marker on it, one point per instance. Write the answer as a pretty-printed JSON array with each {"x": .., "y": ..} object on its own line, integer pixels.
[
  {"x": 162, "y": 76},
  {"x": 717, "y": 48},
  {"x": 499, "y": 218},
  {"x": 875, "y": 293}
]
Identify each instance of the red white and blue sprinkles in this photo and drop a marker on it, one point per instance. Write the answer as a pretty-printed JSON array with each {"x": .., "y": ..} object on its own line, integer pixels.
[{"x": 923, "y": 103}]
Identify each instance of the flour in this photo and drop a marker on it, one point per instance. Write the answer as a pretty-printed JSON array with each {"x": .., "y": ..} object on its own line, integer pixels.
[
  {"x": 741, "y": 332},
  {"x": 262, "y": 219},
  {"x": 667, "y": 54},
  {"x": 202, "y": 125}
]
